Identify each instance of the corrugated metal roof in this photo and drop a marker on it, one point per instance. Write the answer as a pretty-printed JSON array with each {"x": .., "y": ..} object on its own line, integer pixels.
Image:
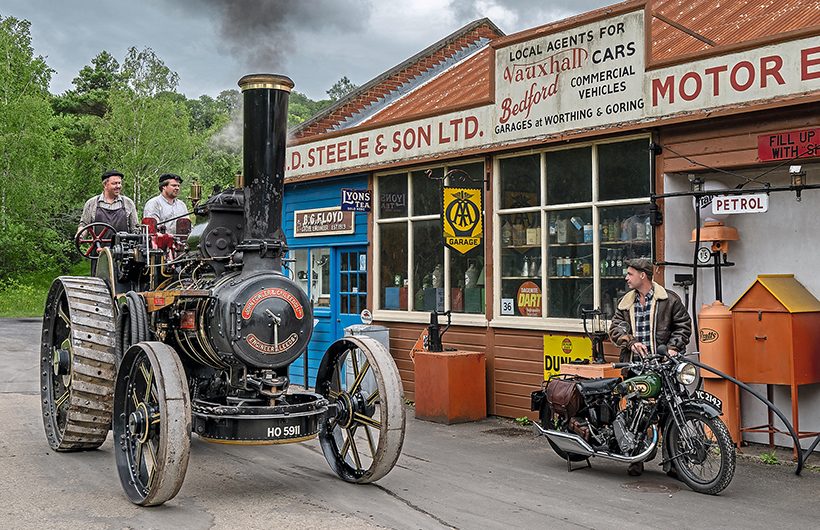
[{"x": 725, "y": 22}]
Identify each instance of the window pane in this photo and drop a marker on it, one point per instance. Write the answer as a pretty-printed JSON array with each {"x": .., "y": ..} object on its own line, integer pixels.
[
  {"x": 625, "y": 238},
  {"x": 569, "y": 176},
  {"x": 570, "y": 265},
  {"x": 344, "y": 259},
  {"x": 320, "y": 277},
  {"x": 427, "y": 192},
  {"x": 474, "y": 177},
  {"x": 428, "y": 269},
  {"x": 393, "y": 196},
  {"x": 344, "y": 288},
  {"x": 393, "y": 274},
  {"x": 344, "y": 305},
  {"x": 623, "y": 170},
  {"x": 520, "y": 181}
]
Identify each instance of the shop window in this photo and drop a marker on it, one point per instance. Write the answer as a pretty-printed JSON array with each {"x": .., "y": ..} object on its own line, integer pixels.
[
  {"x": 569, "y": 176},
  {"x": 623, "y": 168},
  {"x": 416, "y": 271},
  {"x": 595, "y": 218},
  {"x": 393, "y": 196}
]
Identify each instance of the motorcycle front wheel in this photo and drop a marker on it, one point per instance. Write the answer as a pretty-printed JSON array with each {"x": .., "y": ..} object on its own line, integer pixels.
[{"x": 703, "y": 453}]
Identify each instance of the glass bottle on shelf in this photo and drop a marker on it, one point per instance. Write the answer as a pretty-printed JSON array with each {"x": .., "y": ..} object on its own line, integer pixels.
[
  {"x": 526, "y": 270},
  {"x": 561, "y": 230},
  {"x": 612, "y": 253},
  {"x": 506, "y": 234},
  {"x": 619, "y": 262},
  {"x": 604, "y": 266},
  {"x": 616, "y": 235}
]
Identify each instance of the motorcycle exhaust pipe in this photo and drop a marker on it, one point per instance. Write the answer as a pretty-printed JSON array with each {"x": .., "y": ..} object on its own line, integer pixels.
[{"x": 572, "y": 443}]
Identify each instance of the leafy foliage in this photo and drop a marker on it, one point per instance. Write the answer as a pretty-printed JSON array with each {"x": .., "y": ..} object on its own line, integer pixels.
[{"x": 120, "y": 115}]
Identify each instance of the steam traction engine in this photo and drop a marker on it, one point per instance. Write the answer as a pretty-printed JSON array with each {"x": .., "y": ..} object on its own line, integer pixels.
[{"x": 174, "y": 335}]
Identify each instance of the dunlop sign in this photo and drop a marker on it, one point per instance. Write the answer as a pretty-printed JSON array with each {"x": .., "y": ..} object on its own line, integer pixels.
[
  {"x": 560, "y": 349},
  {"x": 462, "y": 218}
]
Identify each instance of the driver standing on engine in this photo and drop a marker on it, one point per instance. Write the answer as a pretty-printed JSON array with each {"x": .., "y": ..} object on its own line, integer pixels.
[
  {"x": 166, "y": 206},
  {"x": 111, "y": 207},
  {"x": 648, "y": 316}
]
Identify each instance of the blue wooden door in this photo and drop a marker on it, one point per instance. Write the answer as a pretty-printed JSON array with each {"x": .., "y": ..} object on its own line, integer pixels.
[{"x": 351, "y": 298}]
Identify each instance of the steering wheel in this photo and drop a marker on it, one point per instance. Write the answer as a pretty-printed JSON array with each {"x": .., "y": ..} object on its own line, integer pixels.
[{"x": 92, "y": 237}]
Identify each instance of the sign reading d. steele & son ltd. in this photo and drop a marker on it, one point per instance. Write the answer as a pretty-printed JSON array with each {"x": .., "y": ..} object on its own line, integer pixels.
[{"x": 323, "y": 222}]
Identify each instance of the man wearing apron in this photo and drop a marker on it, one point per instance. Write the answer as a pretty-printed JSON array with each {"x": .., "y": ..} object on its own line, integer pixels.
[{"x": 110, "y": 207}]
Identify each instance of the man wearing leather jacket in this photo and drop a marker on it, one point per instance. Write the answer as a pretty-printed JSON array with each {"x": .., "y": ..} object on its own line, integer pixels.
[{"x": 648, "y": 316}]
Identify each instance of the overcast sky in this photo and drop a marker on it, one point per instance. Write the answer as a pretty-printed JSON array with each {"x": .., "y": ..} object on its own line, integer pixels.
[{"x": 213, "y": 43}]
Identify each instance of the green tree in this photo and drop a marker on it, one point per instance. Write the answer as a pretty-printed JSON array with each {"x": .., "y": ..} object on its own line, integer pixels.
[
  {"x": 339, "y": 89},
  {"x": 146, "y": 132},
  {"x": 33, "y": 158}
]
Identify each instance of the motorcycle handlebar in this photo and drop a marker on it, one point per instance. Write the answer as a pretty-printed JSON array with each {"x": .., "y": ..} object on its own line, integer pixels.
[{"x": 621, "y": 365}]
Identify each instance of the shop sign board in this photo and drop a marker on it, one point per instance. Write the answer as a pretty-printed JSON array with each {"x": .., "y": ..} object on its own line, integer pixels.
[
  {"x": 589, "y": 76},
  {"x": 463, "y": 219},
  {"x": 323, "y": 222},
  {"x": 561, "y": 349},
  {"x": 788, "y": 145},
  {"x": 356, "y": 200},
  {"x": 728, "y": 204}
]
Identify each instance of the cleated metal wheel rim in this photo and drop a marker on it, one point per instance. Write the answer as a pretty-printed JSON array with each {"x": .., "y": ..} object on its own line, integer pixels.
[
  {"x": 363, "y": 439},
  {"x": 77, "y": 363},
  {"x": 152, "y": 423}
]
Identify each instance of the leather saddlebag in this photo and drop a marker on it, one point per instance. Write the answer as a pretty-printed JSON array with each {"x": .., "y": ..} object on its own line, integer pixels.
[{"x": 563, "y": 397}]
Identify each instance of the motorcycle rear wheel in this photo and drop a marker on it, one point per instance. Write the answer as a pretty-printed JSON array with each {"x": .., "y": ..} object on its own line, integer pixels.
[{"x": 704, "y": 454}]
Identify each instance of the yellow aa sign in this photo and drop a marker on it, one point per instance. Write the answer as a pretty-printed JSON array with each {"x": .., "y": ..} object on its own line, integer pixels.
[{"x": 463, "y": 218}]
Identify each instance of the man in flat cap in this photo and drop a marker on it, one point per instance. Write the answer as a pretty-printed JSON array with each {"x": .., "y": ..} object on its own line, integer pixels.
[
  {"x": 165, "y": 207},
  {"x": 648, "y": 316},
  {"x": 111, "y": 206}
]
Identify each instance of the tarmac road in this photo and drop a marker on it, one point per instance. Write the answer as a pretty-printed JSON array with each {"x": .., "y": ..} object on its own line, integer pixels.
[{"x": 489, "y": 474}]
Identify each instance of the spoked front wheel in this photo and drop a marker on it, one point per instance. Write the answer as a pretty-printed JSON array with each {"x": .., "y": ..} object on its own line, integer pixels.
[
  {"x": 152, "y": 423},
  {"x": 703, "y": 453},
  {"x": 363, "y": 439}
]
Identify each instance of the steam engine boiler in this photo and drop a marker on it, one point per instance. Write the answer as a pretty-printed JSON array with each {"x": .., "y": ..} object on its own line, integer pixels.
[{"x": 187, "y": 333}]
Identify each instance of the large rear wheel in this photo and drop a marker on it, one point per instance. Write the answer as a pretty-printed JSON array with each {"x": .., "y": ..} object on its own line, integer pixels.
[
  {"x": 363, "y": 439},
  {"x": 77, "y": 363}
]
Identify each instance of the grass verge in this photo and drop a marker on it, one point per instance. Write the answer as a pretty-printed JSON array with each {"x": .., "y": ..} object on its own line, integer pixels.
[{"x": 25, "y": 296}]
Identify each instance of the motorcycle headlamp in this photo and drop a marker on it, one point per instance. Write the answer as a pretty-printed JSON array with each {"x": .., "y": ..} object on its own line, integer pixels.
[{"x": 686, "y": 373}]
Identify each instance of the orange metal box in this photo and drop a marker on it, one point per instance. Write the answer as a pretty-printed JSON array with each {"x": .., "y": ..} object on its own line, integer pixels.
[
  {"x": 776, "y": 325},
  {"x": 450, "y": 386}
]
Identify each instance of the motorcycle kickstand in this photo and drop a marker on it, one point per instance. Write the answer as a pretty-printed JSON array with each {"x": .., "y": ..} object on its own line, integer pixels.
[{"x": 569, "y": 465}]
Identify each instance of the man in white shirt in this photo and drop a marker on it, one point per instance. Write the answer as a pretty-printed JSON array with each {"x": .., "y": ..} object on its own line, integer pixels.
[{"x": 166, "y": 206}]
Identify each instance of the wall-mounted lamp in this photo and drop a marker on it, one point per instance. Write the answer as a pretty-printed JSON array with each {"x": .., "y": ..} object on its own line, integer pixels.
[
  {"x": 798, "y": 180},
  {"x": 697, "y": 183}
]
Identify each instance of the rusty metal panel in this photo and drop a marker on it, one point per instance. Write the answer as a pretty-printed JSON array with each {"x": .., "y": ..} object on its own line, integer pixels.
[{"x": 726, "y": 22}]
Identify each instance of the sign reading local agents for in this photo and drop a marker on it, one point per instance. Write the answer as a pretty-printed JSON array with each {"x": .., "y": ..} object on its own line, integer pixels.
[{"x": 559, "y": 349}]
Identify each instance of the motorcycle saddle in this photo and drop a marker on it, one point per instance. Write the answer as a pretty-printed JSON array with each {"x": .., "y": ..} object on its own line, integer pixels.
[{"x": 603, "y": 385}]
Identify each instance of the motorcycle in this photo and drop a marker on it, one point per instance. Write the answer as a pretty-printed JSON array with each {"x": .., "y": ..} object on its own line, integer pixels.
[{"x": 624, "y": 420}]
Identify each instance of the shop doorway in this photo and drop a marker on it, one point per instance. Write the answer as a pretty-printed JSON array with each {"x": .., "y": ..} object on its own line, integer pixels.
[{"x": 335, "y": 280}]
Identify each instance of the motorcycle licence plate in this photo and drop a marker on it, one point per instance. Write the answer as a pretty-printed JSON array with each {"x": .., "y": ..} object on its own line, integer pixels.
[{"x": 709, "y": 398}]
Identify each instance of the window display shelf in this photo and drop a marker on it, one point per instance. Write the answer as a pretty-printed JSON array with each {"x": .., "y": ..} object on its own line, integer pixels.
[{"x": 521, "y": 277}]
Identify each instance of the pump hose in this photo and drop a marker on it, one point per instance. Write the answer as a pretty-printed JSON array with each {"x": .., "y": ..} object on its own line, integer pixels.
[
  {"x": 133, "y": 315},
  {"x": 747, "y": 388}
]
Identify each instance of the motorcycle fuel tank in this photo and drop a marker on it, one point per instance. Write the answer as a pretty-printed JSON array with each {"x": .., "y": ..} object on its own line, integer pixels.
[{"x": 647, "y": 385}]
